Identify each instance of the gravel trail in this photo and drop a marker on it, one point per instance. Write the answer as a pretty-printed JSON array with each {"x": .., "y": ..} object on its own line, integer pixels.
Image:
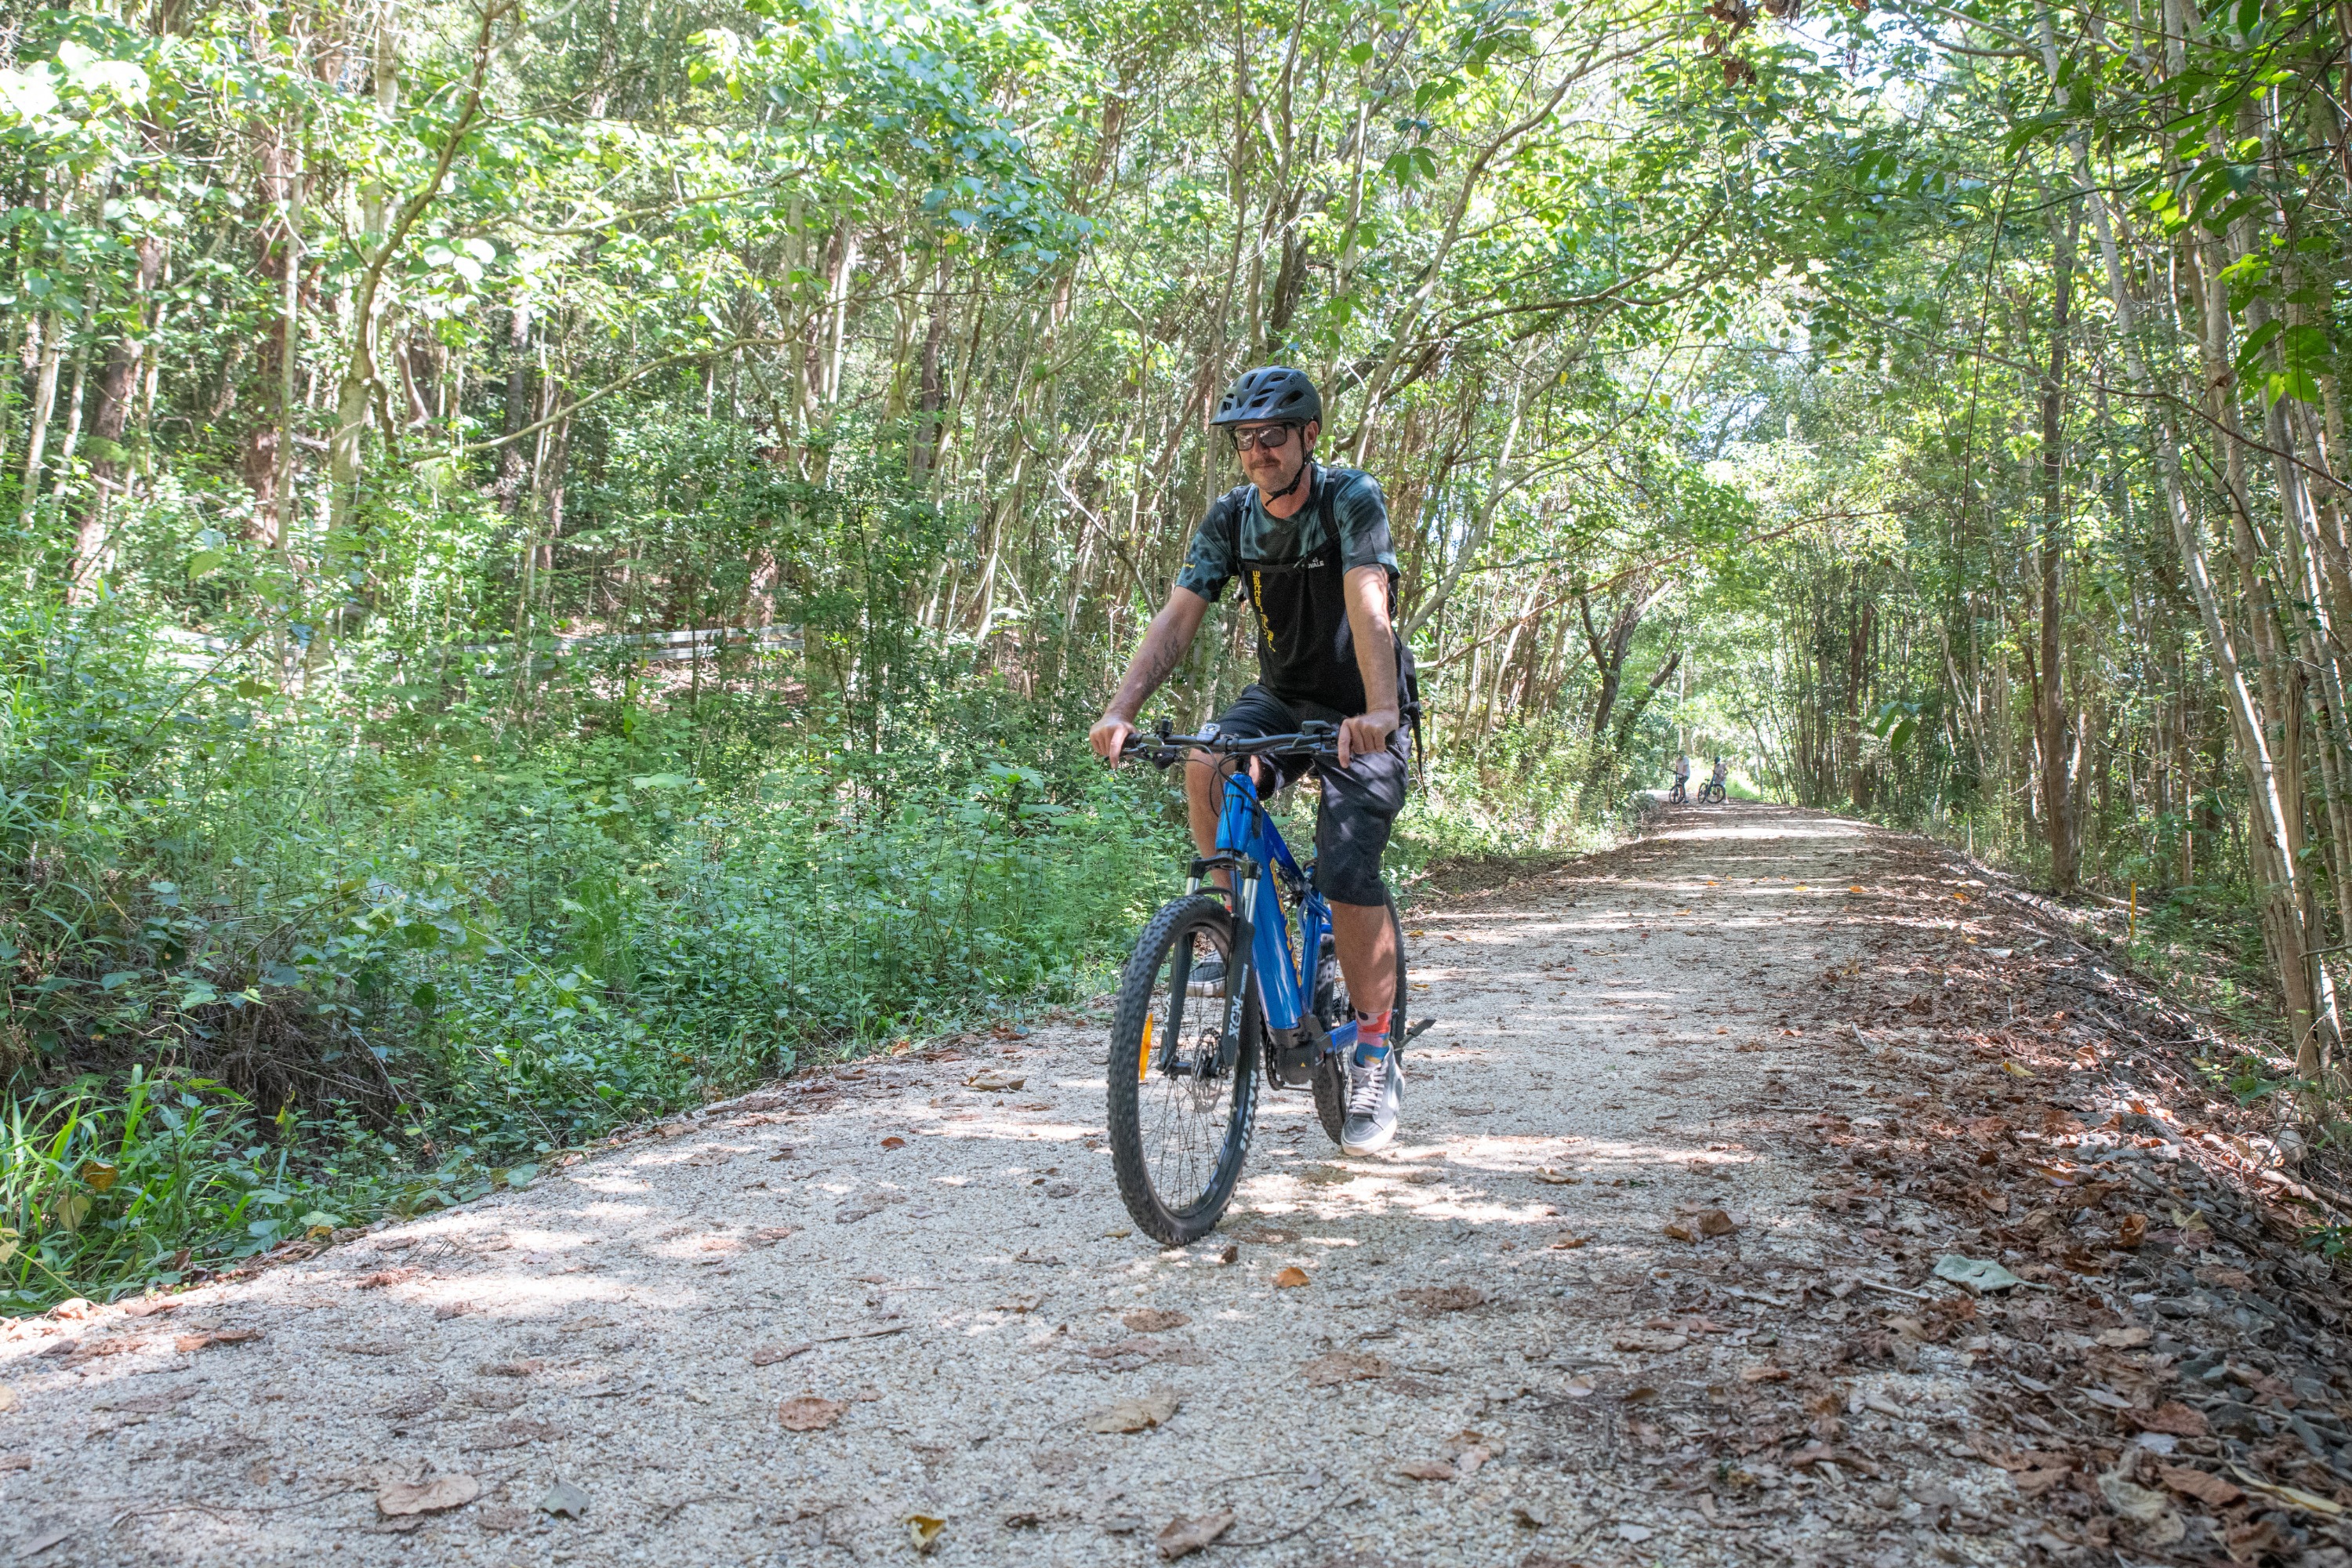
[{"x": 1495, "y": 1357}]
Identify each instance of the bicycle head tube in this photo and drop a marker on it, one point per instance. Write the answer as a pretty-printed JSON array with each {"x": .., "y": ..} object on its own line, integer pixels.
[{"x": 1237, "y": 821}]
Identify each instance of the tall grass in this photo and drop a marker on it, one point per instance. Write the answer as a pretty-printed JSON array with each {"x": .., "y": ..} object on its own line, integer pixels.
[{"x": 108, "y": 1186}]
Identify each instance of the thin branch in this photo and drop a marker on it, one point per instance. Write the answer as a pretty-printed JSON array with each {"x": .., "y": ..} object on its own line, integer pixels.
[{"x": 690, "y": 356}]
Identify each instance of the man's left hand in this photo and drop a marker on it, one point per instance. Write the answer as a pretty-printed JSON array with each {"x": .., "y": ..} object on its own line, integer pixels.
[{"x": 1365, "y": 734}]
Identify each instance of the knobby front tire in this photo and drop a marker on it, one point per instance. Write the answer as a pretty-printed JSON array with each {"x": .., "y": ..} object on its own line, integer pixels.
[{"x": 1178, "y": 1136}]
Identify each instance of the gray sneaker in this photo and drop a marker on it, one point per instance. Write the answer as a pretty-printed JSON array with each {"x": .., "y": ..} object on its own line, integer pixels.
[
  {"x": 1375, "y": 1104},
  {"x": 1207, "y": 978}
]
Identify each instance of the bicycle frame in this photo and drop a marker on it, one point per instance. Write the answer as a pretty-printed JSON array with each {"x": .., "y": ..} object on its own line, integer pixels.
[{"x": 1266, "y": 974}]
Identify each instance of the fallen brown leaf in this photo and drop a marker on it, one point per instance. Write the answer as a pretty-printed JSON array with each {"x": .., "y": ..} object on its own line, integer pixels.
[
  {"x": 1426, "y": 1470},
  {"x": 899, "y": 1144},
  {"x": 2126, "y": 1339},
  {"x": 1764, "y": 1373},
  {"x": 808, "y": 1413},
  {"x": 1182, "y": 1537},
  {"x": 2178, "y": 1419},
  {"x": 1154, "y": 1320},
  {"x": 1290, "y": 1278},
  {"x": 439, "y": 1495},
  {"x": 923, "y": 1532},
  {"x": 1570, "y": 1243},
  {"x": 1343, "y": 1366},
  {"x": 381, "y": 1277},
  {"x": 2047, "y": 1470},
  {"x": 1716, "y": 1222},
  {"x": 2204, "y": 1485},
  {"x": 1680, "y": 1232},
  {"x": 1639, "y": 1339},
  {"x": 1153, "y": 1409},
  {"x": 1461, "y": 1442},
  {"x": 769, "y": 1355}
]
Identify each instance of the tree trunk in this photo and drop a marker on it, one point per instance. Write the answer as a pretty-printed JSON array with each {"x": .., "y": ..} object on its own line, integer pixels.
[
  {"x": 45, "y": 398},
  {"x": 2050, "y": 698},
  {"x": 265, "y": 457},
  {"x": 522, "y": 407},
  {"x": 118, "y": 386}
]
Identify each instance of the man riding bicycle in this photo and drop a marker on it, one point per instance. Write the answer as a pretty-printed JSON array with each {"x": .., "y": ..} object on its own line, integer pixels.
[{"x": 1312, "y": 548}]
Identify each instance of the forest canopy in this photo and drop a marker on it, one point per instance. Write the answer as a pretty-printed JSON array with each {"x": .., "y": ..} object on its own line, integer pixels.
[{"x": 560, "y": 558}]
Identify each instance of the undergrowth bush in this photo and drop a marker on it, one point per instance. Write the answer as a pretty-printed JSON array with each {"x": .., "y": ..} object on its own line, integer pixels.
[
  {"x": 1528, "y": 788},
  {"x": 284, "y": 950}
]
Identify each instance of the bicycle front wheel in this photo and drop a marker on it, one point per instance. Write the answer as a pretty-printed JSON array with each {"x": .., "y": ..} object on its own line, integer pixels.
[{"x": 1179, "y": 1119}]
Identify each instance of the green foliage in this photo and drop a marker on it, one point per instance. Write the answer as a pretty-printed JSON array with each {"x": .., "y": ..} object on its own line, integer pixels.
[
  {"x": 293, "y": 959},
  {"x": 2250, "y": 1079},
  {"x": 112, "y": 1187}
]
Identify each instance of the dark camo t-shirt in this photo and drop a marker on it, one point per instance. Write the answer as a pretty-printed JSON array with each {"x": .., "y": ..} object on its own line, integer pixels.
[{"x": 1359, "y": 512}]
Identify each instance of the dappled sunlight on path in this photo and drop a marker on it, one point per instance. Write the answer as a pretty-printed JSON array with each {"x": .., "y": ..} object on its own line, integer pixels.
[{"x": 777, "y": 1331}]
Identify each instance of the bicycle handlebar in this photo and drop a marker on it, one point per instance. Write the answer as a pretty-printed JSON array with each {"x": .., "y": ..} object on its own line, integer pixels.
[{"x": 1314, "y": 739}]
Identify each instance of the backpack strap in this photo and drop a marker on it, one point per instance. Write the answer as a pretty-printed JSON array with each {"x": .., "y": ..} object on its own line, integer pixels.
[
  {"x": 1230, "y": 504},
  {"x": 1408, "y": 679}
]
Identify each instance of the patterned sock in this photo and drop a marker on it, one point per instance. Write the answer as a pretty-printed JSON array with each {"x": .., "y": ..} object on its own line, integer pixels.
[{"x": 1372, "y": 1036}]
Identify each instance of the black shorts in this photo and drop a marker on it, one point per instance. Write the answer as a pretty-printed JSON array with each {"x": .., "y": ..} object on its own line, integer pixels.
[{"x": 1360, "y": 802}]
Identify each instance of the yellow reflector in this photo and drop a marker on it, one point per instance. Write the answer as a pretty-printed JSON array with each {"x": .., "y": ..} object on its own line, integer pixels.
[{"x": 1143, "y": 1057}]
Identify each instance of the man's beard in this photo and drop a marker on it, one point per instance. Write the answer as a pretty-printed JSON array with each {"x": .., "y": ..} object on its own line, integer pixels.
[{"x": 1297, "y": 477}]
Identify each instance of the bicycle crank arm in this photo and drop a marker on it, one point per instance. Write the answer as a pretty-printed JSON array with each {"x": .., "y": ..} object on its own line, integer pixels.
[{"x": 1418, "y": 1030}]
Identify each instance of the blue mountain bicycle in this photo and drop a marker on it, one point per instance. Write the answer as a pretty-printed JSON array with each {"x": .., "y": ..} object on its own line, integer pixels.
[{"x": 1185, "y": 1053}]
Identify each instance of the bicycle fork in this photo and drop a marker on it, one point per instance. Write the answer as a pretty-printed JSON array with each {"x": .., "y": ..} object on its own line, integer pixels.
[{"x": 1241, "y": 971}]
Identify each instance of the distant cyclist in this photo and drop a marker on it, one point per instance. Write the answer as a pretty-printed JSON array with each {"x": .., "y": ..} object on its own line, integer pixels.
[
  {"x": 1311, "y": 546},
  {"x": 1680, "y": 794},
  {"x": 1714, "y": 782}
]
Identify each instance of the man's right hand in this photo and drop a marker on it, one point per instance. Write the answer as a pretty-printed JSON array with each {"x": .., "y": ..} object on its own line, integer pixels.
[{"x": 1110, "y": 737}]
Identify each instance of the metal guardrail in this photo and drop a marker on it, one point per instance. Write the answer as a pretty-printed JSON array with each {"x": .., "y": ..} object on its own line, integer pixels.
[{"x": 670, "y": 647}]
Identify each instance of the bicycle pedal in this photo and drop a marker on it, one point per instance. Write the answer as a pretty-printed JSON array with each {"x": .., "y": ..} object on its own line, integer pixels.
[{"x": 1420, "y": 1028}]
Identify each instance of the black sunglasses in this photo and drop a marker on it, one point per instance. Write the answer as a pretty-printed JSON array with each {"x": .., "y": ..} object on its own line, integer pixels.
[{"x": 1270, "y": 441}]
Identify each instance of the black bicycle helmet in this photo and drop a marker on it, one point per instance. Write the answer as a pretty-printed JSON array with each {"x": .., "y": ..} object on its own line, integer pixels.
[{"x": 1270, "y": 392}]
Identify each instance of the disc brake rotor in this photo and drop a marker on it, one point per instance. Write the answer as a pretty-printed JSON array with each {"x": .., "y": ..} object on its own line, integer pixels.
[{"x": 1207, "y": 1084}]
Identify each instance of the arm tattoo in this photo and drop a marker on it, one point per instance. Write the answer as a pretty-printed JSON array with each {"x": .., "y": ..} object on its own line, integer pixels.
[
  {"x": 1162, "y": 652},
  {"x": 1154, "y": 659}
]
